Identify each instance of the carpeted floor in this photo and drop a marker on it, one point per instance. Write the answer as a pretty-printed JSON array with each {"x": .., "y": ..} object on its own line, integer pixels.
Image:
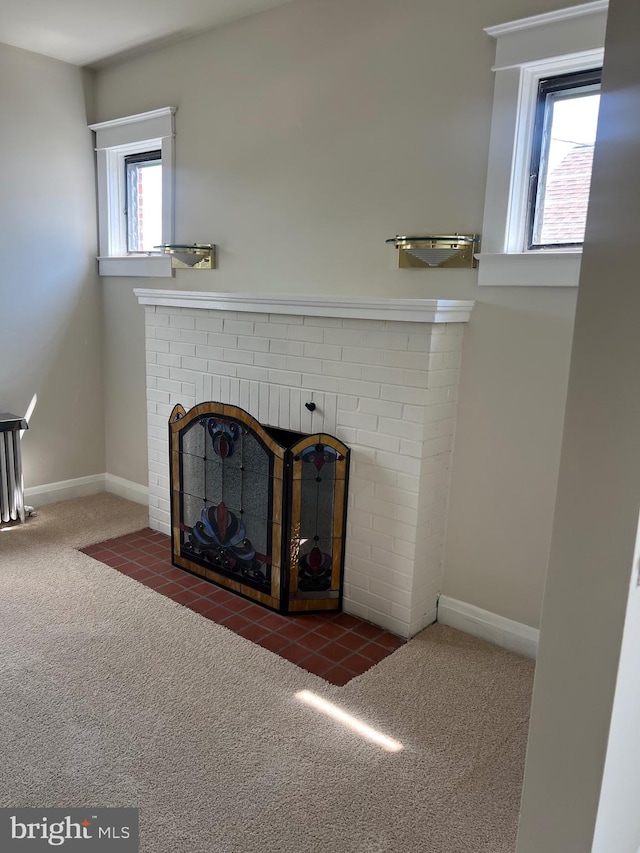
[{"x": 112, "y": 694}]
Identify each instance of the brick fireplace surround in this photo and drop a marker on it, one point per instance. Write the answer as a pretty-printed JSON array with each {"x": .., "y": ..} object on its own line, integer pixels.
[{"x": 383, "y": 374}]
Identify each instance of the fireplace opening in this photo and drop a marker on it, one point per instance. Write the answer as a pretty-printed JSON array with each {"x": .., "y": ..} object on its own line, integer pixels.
[{"x": 258, "y": 509}]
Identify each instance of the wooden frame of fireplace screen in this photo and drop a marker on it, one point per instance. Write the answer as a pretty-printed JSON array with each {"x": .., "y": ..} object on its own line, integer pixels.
[{"x": 258, "y": 510}]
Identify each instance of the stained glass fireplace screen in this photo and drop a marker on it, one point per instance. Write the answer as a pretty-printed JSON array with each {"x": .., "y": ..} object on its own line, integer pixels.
[{"x": 258, "y": 510}]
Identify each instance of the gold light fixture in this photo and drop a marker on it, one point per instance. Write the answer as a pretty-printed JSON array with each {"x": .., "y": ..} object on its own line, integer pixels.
[
  {"x": 194, "y": 256},
  {"x": 436, "y": 250}
]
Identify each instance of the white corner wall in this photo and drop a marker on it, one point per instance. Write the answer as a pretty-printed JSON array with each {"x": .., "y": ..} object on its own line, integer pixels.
[
  {"x": 583, "y": 761},
  {"x": 50, "y": 302},
  {"x": 306, "y": 136}
]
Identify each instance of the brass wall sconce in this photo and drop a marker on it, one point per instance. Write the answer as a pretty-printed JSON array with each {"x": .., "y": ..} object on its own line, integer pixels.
[
  {"x": 196, "y": 256},
  {"x": 436, "y": 250}
]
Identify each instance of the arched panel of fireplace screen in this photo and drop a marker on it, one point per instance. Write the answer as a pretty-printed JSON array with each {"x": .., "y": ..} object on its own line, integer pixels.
[{"x": 258, "y": 510}]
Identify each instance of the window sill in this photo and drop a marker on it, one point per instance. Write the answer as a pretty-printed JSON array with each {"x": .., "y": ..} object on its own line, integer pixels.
[
  {"x": 149, "y": 266},
  {"x": 530, "y": 269}
]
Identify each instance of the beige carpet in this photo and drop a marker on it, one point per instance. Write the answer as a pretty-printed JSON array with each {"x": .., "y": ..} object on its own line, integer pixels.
[{"x": 111, "y": 694}]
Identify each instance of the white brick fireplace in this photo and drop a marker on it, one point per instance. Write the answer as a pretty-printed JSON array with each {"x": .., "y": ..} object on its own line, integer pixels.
[{"x": 383, "y": 374}]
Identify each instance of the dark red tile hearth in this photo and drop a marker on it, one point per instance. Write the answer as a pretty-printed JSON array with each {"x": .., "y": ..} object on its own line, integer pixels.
[
  {"x": 389, "y": 641},
  {"x": 186, "y": 597},
  {"x": 202, "y": 606},
  {"x": 217, "y": 613},
  {"x": 329, "y": 630},
  {"x": 274, "y": 642},
  {"x": 170, "y": 589},
  {"x": 339, "y": 675},
  {"x": 235, "y": 622},
  {"x": 351, "y": 641},
  {"x": 294, "y": 653},
  {"x": 155, "y": 582},
  {"x": 357, "y": 663},
  {"x": 201, "y": 587},
  {"x": 273, "y": 621},
  {"x": 254, "y": 633},
  {"x": 312, "y": 641},
  {"x": 335, "y": 652},
  {"x": 370, "y": 632},
  {"x": 346, "y": 621},
  {"x": 140, "y": 574},
  {"x": 293, "y": 630},
  {"x": 317, "y": 665},
  {"x": 334, "y": 646},
  {"x": 374, "y": 652},
  {"x": 253, "y": 611}
]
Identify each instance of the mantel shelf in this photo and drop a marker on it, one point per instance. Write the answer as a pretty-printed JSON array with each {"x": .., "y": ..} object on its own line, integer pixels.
[{"x": 363, "y": 308}]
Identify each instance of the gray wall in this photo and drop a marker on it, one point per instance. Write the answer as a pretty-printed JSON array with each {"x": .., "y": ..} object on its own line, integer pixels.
[
  {"x": 50, "y": 305},
  {"x": 306, "y": 136},
  {"x": 583, "y": 761}
]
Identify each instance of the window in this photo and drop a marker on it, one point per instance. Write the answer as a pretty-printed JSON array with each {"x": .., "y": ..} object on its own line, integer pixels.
[
  {"x": 562, "y": 156},
  {"x": 546, "y": 75},
  {"x": 135, "y": 193},
  {"x": 143, "y": 210}
]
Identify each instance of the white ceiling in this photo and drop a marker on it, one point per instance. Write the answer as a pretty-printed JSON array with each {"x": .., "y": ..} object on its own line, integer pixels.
[{"x": 86, "y": 32}]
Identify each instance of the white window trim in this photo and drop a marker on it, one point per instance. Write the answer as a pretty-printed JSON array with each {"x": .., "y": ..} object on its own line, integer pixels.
[
  {"x": 544, "y": 45},
  {"x": 116, "y": 140}
]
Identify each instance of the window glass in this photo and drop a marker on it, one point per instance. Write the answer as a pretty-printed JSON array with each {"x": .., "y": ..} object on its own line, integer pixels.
[
  {"x": 143, "y": 176},
  {"x": 564, "y": 138}
]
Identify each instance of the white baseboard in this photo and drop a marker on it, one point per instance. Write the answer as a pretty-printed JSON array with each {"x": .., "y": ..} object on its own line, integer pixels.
[
  {"x": 126, "y": 489},
  {"x": 488, "y": 626},
  {"x": 81, "y": 487},
  {"x": 64, "y": 490}
]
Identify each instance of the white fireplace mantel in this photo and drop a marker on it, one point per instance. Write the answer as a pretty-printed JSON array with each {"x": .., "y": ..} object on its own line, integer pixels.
[
  {"x": 382, "y": 375},
  {"x": 357, "y": 307}
]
